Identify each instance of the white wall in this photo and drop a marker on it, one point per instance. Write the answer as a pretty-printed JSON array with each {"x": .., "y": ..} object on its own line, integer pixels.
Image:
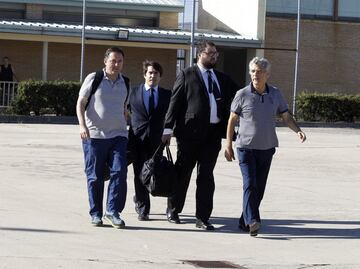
[{"x": 247, "y": 17}]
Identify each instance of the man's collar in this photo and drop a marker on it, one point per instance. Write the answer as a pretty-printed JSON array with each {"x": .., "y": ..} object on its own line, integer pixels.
[
  {"x": 147, "y": 87},
  {"x": 254, "y": 91},
  {"x": 106, "y": 76},
  {"x": 203, "y": 69}
]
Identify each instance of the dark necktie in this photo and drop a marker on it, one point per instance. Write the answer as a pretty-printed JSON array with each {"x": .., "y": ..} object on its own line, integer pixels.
[
  {"x": 214, "y": 89},
  {"x": 151, "y": 100}
]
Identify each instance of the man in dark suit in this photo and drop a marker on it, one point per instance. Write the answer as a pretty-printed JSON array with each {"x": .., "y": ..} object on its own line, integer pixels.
[
  {"x": 148, "y": 105},
  {"x": 197, "y": 116}
]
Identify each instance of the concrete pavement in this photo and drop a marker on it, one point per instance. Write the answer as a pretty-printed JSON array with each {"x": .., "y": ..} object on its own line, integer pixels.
[{"x": 311, "y": 209}]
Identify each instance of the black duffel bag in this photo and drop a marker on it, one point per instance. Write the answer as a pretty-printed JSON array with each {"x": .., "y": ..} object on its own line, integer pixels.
[{"x": 158, "y": 174}]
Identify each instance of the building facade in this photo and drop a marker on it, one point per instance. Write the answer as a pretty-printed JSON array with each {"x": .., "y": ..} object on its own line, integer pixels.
[
  {"x": 328, "y": 45},
  {"x": 42, "y": 38}
]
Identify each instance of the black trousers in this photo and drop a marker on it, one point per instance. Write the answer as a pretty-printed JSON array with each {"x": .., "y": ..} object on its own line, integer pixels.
[
  {"x": 202, "y": 153},
  {"x": 143, "y": 150}
]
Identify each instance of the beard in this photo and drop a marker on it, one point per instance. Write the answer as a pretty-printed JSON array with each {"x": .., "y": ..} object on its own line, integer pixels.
[{"x": 209, "y": 65}]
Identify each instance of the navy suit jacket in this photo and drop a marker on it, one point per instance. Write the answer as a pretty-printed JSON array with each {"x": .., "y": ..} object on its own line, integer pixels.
[{"x": 142, "y": 124}]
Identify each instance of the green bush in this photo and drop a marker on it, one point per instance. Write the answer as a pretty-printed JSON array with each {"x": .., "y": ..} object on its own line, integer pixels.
[
  {"x": 46, "y": 97},
  {"x": 328, "y": 107}
]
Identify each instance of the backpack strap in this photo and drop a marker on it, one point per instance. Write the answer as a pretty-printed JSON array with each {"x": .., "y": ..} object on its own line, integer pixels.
[
  {"x": 127, "y": 84},
  {"x": 99, "y": 75}
]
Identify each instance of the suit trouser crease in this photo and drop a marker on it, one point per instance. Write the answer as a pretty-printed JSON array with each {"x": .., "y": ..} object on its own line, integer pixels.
[
  {"x": 203, "y": 154},
  {"x": 97, "y": 154},
  {"x": 255, "y": 167}
]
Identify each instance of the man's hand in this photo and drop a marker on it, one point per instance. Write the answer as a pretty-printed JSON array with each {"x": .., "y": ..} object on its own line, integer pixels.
[
  {"x": 84, "y": 132},
  {"x": 229, "y": 153},
  {"x": 166, "y": 138},
  {"x": 302, "y": 136}
]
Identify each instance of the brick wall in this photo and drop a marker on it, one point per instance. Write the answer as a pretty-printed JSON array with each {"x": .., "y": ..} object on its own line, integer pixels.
[
  {"x": 64, "y": 60},
  {"x": 25, "y": 57},
  {"x": 328, "y": 55},
  {"x": 168, "y": 20}
]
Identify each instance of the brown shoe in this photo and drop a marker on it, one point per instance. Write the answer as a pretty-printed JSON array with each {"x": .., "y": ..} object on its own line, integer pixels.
[{"x": 254, "y": 228}]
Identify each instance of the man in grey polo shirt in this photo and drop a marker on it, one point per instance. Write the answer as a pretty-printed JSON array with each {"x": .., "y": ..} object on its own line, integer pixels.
[
  {"x": 103, "y": 130},
  {"x": 255, "y": 107}
]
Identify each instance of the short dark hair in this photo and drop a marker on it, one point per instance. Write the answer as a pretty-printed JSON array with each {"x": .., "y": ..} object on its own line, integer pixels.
[
  {"x": 154, "y": 64},
  {"x": 201, "y": 46},
  {"x": 113, "y": 49}
]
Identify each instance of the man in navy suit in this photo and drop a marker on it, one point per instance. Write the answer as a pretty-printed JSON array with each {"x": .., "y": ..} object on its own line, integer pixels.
[
  {"x": 148, "y": 105},
  {"x": 197, "y": 116}
]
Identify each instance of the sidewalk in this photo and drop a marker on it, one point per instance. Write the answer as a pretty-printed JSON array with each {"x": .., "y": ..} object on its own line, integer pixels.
[{"x": 311, "y": 209}]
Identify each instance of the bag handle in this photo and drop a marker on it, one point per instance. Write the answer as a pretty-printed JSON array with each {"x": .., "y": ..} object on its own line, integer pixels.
[
  {"x": 159, "y": 149},
  {"x": 168, "y": 153}
]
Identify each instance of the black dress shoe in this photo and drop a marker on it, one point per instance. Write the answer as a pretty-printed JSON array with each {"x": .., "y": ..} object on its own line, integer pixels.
[
  {"x": 172, "y": 217},
  {"x": 143, "y": 217},
  {"x": 205, "y": 225},
  {"x": 137, "y": 210},
  {"x": 244, "y": 228}
]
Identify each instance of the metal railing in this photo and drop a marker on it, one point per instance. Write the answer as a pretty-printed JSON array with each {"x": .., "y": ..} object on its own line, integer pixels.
[{"x": 8, "y": 90}]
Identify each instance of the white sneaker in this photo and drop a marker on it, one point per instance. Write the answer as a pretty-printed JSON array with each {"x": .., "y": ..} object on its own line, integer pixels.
[
  {"x": 96, "y": 221},
  {"x": 115, "y": 221}
]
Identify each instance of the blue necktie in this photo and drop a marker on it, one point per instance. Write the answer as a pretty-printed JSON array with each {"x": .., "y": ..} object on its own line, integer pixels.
[
  {"x": 213, "y": 88},
  {"x": 151, "y": 100}
]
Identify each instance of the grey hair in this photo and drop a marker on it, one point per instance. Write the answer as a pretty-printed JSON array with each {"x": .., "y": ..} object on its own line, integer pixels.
[{"x": 263, "y": 63}]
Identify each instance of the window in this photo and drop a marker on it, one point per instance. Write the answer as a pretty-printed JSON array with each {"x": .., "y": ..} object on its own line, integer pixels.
[
  {"x": 349, "y": 9},
  {"x": 309, "y": 8}
]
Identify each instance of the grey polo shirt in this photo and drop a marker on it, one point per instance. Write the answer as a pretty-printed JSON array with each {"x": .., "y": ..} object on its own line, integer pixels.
[
  {"x": 257, "y": 117},
  {"x": 105, "y": 116}
]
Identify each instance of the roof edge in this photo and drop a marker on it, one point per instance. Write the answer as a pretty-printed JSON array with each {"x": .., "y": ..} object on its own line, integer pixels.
[
  {"x": 102, "y": 4},
  {"x": 134, "y": 34}
]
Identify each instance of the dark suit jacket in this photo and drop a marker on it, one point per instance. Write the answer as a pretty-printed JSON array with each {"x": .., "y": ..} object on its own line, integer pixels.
[
  {"x": 189, "y": 110},
  {"x": 142, "y": 124}
]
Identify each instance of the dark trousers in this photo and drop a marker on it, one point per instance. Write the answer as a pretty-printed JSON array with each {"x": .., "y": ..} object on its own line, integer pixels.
[
  {"x": 255, "y": 167},
  {"x": 97, "y": 154},
  {"x": 143, "y": 150},
  {"x": 203, "y": 154}
]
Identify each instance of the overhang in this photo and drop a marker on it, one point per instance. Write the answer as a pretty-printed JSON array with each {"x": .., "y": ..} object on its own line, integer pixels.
[{"x": 104, "y": 34}]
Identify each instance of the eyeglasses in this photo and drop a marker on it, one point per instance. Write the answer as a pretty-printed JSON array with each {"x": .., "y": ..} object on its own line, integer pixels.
[{"x": 211, "y": 53}]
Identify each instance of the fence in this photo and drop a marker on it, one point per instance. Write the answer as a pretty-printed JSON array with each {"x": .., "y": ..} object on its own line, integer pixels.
[{"x": 8, "y": 91}]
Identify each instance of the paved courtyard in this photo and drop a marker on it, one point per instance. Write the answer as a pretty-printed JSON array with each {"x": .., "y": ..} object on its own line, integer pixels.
[{"x": 311, "y": 209}]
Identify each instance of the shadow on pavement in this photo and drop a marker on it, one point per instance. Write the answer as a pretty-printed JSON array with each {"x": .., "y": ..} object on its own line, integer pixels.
[
  {"x": 275, "y": 229},
  {"x": 18, "y": 229},
  {"x": 285, "y": 229}
]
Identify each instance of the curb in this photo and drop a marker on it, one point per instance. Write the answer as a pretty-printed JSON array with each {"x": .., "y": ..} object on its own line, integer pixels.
[
  {"x": 73, "y": 120},
  {"x": 39, "y": 119},
  {"x": 315, "y": 124}
]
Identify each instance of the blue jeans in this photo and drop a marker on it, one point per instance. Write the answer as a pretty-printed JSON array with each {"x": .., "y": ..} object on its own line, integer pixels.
[
  {"x": 99, "y": 153},
  {"x": 254, "y": 166}
]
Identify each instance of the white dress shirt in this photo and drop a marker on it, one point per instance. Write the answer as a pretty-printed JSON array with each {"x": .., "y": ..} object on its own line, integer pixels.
[{"x": 213, "y": 107}]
